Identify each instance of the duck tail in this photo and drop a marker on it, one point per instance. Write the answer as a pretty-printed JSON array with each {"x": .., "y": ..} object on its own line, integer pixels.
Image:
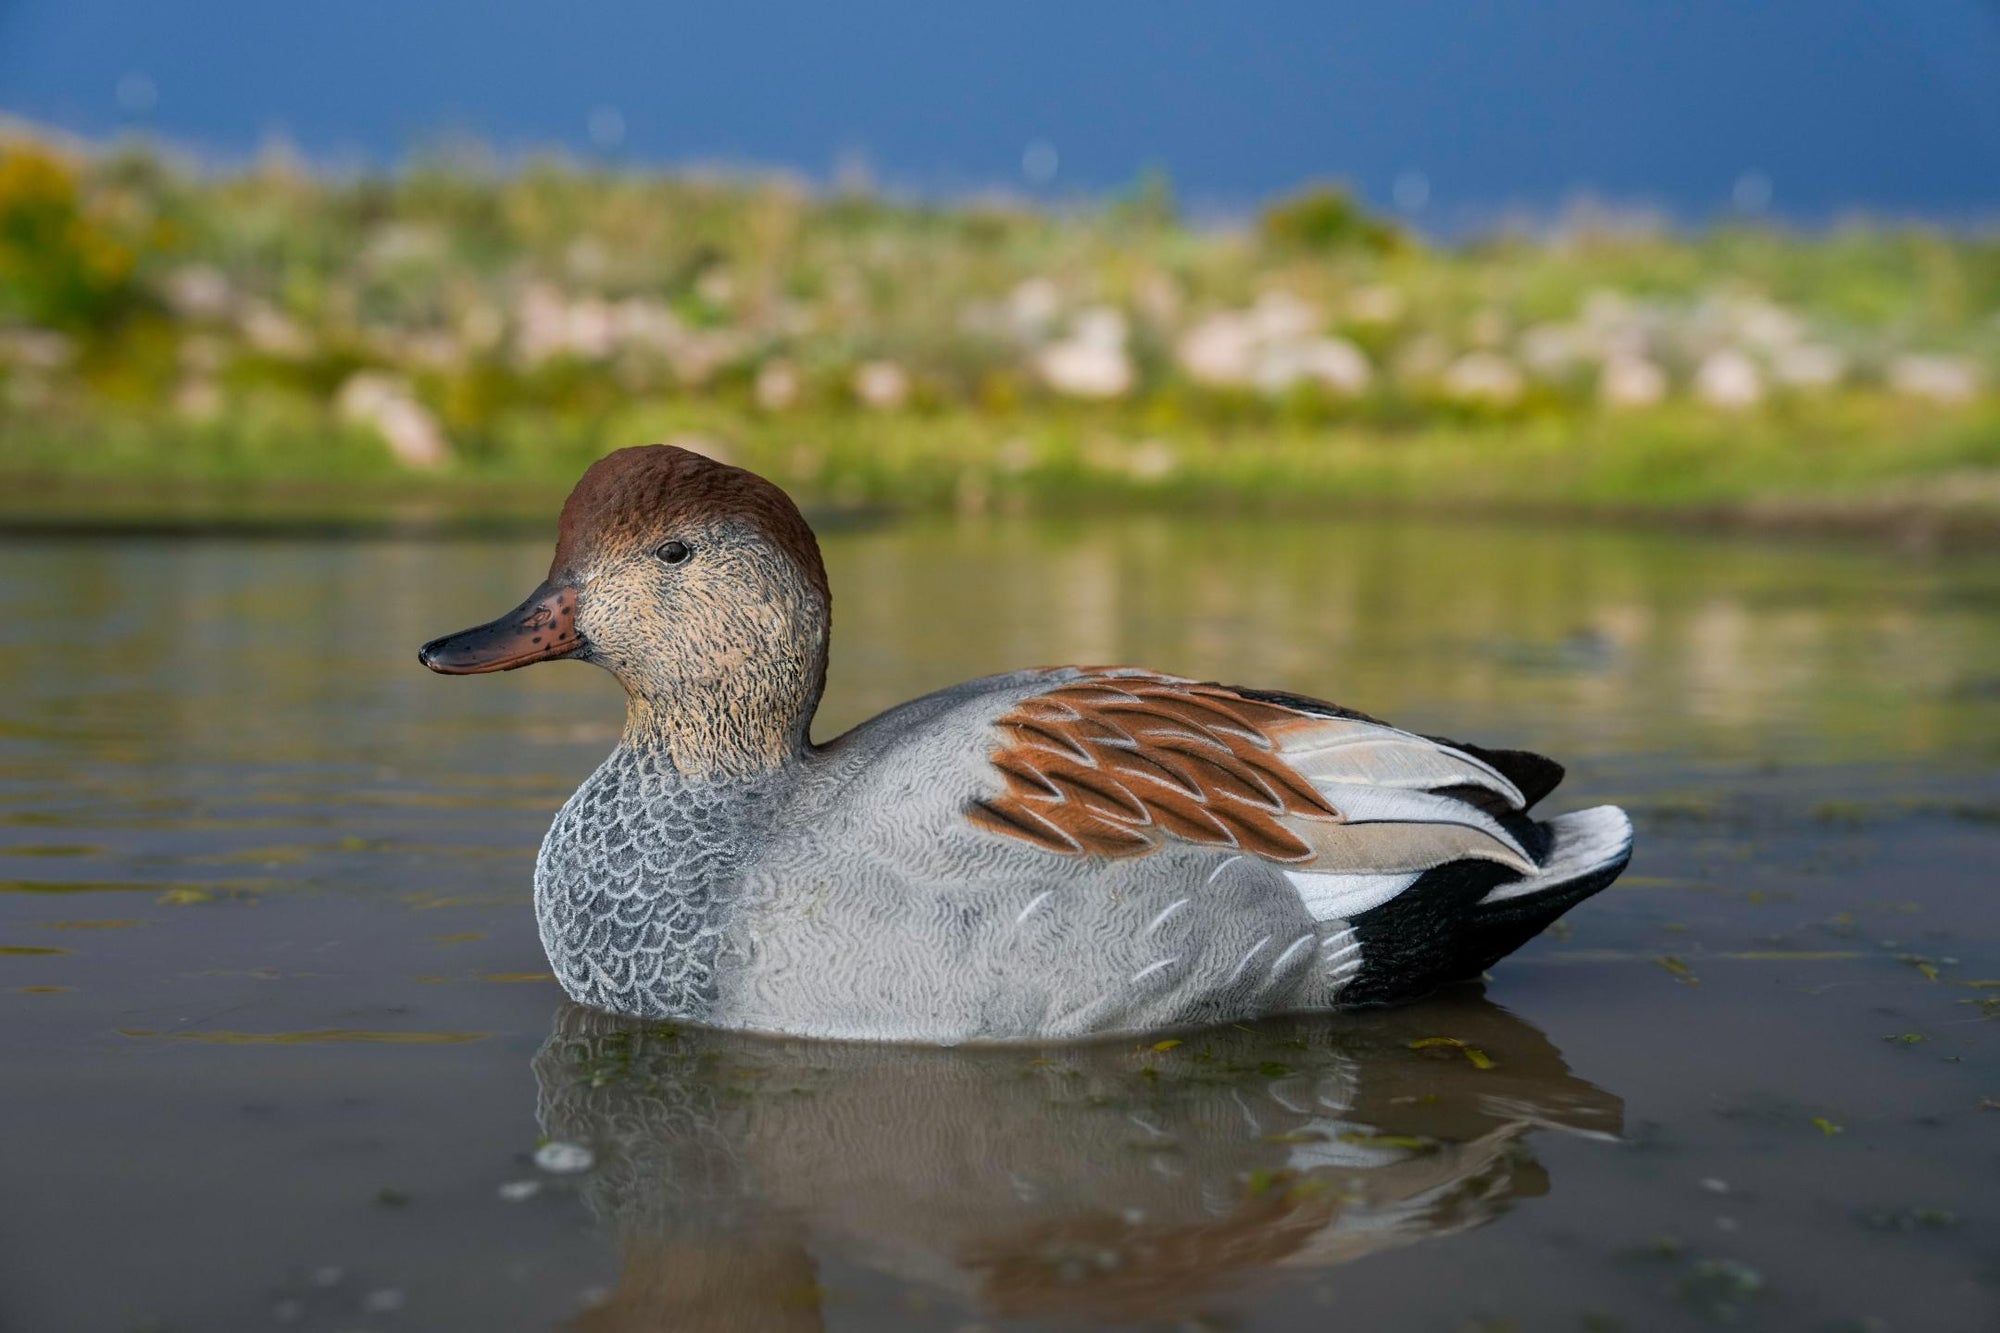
[{"x": 1459, "y": 919}]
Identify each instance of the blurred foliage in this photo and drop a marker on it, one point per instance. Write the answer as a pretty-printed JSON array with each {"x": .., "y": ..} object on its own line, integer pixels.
[
  {"x": 1325, "y": 218},
  {"x": 481, "y": 317},
  {"x": 69, "y": 259}
]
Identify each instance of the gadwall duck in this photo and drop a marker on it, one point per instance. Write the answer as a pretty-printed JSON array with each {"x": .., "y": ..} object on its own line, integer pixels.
[{"x": 1046, "y": 854}]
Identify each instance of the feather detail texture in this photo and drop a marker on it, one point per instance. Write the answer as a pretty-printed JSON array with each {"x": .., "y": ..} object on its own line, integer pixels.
[{"x": 1116, "y": 760}]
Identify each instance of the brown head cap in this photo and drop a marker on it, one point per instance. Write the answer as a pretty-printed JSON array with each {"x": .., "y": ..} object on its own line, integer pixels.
[{"x": 635, "y": 496}]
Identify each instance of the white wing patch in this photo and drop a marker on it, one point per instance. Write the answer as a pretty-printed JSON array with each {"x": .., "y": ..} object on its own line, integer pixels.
[
  {"x": 1378, "y": 756},
  {"x": 1395, "y": 824},
  {"x": 1343, "y": 897}
]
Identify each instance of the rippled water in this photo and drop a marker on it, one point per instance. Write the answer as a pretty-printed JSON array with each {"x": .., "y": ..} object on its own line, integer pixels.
[{"x": 279, "y": 1046}]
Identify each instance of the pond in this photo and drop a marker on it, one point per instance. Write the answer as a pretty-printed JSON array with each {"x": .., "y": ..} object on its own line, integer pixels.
[{"x": 280, "y": 1048}]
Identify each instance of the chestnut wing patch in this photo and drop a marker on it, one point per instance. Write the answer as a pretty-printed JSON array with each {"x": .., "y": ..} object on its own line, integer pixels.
[{"x": 1111, "y": 763}]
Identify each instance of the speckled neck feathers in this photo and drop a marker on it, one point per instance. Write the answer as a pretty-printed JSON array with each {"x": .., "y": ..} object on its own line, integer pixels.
[{"x": 736, "y": 696}]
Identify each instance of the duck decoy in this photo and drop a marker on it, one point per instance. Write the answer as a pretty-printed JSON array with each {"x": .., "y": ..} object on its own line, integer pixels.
[{"x": 1045, "y": 854}]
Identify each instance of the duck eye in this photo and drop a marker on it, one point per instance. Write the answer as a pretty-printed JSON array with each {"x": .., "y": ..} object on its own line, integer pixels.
[{"x": 675, "y": 552}]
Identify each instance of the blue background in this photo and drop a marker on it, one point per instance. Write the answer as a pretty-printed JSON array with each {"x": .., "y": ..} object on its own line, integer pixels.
[{"x": 1842, "y": 104}]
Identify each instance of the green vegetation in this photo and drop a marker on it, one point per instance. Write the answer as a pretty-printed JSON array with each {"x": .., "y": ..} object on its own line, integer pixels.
[{"x": 455, "y": 326}]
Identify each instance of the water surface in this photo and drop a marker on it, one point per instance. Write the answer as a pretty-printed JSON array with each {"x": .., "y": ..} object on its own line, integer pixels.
[{"x": 279, "y": 1045}]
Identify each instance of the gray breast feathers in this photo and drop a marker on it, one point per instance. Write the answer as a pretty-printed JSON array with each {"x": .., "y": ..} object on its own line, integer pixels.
[{"x": 632, "y": 886}]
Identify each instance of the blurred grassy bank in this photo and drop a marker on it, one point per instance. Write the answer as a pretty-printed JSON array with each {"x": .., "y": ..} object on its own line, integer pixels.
[
  {"x": 461, "y": 336},
  {"x": 1873, "y": 467}
]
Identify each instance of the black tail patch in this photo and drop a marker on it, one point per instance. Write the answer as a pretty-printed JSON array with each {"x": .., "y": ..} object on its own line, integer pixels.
[
  {"x": 1535, "y": 774},
  {"x": 1436, "y": 931},
  {"x": 1500, "y": 928},
  {"x": 1420, "y": 939}
]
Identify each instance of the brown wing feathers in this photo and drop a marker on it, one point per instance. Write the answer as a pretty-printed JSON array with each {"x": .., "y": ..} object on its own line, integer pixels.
[{"x": 1110, "y": 763}]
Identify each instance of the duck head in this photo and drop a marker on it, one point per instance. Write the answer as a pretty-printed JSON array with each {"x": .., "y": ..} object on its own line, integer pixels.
[{"x": 699, "y": 586}]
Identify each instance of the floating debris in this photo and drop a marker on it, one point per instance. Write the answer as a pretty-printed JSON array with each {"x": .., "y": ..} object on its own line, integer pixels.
[
  {"x": 1909, "y": 1220},
  {"x": 1410, "y": 1142},
  {"x": 1681, "y": 971},
  {"x": 1828, "y": 1127},
  {"x": 564, "y": 1159},
  {"x": 184, "y": 896},
  {"x": 1790, "y": 955},
  {"x": 520, "y": 1191},
  {"x": 1475, "y": 1057}
]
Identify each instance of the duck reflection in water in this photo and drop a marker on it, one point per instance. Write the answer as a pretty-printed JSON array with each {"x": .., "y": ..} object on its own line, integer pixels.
[{"x": 1116, "y": 1181}]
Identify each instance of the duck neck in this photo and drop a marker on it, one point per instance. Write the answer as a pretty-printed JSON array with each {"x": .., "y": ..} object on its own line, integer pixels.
[{"x": 750, "y": 717}]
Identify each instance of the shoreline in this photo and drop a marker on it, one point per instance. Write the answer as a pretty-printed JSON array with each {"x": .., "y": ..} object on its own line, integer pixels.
[
  {"x": 1872, "y": 469},
  {"x": 1916, "y": 518}
]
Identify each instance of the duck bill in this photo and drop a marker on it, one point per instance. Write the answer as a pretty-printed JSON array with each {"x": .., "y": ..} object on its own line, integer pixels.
[{"x": 538, "y": 630}]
